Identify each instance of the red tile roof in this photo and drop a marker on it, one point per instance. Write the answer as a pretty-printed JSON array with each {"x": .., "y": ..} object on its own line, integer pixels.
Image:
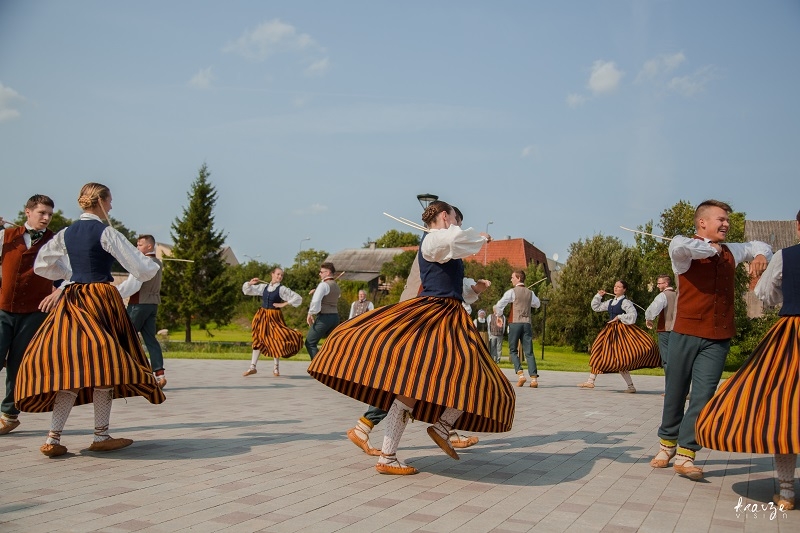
[{"x": 518, "y": 252}]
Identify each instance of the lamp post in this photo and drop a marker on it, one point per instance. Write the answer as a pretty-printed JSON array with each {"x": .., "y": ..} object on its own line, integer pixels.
[
  {"x": 426, "y": 199},
  {"x": 544, "y": 301},
  {"x": 486, "y": 244},
  {"x": 301, "y": 242},
  {"x": 252, "y": 257}
]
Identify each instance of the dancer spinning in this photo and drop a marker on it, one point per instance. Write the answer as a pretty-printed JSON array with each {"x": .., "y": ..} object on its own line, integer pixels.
[
  {"x": 270, "y": 334},
  {"x": 620, "y": 346},
  {"x": 757, "y": 410},
  {"x": 423, "y": 355},
  {"x": 87, "y": 350}
]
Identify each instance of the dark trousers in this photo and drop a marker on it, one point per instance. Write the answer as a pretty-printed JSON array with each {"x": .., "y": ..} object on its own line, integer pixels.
[
  {"x": 663, "y": 346},
  {"x": 16, "y": 332},
  {"x": 375, "y": 415},
  {"x": 692, "y": 361},
  {"x": 323, "y": 325},
  {"x": 523, "y": 331},
  {"x": 143, "y": 317}
]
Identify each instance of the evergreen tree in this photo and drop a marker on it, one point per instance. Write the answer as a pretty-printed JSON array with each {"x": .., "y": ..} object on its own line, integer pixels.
[{"x": 198, "y": 291}]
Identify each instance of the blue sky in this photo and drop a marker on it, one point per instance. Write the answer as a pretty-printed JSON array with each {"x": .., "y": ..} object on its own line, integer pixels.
[{"x": 554, "y": 120}]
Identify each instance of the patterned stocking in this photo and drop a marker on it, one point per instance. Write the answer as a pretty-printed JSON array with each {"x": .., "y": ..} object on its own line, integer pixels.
[
  {"x": 446, "y": 421},
  {"x": 784, "y": 467},
  {"x": 395, "y": 425},
  {"x": 102, "y": 413},
  {"x": 65, "y": 399}
]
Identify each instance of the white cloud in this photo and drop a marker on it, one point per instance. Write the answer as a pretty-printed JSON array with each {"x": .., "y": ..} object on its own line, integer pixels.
[
  {"x": 575, "y": 100},
  {"x": 313, "y": 209},
  {"x": 318, "y": 68},
  {"x": 605, "y": 77},
  {"x": 202, "y": 80},
  {"x": 7, "y": 96},
  {"x": 660, "y": 65},
  {"x": 530, "y": 150},
  {"x": 269, "y": 38},
  {"x": 693, "y": 83}
]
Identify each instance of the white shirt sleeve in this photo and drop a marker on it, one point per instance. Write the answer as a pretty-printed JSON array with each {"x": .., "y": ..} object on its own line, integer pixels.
[
  {"x": 768, "y": 289},
  {"x": 352, "y": 310},
  {"x": 535, "y": 303},
  {"x": 598, "y": 304},
  {"x": 253, "y": 290},
  {"x": 291, "y": 297},
  {"x": 629, "y": 317},
  {"x": 747, "y": 251},
  {"x": 52, "y": 261},
  {"x": 507, "y": 298},
  {"x": 658, "y": 304},
  {"x": 442, "y": 245},
  {"x": 129, "y": 287},
  {"x": 316, "y": 300},
  {"x": 140, "y": 266},
  {"x": 683, "y": 250}
]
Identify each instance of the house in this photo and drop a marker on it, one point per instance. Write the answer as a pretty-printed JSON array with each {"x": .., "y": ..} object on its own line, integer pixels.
[
  {"x": 518, "y": 252},
  {"x": 363, "y": 264}
]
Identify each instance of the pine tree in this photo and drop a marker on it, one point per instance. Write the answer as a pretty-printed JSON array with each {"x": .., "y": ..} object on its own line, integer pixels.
[{"x": 198, "y": 292}]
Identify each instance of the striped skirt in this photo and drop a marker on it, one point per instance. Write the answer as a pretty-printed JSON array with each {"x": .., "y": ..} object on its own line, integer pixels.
[
  {"x": 757, "y": 410},
  {"x": 271, "y": 336},
  {"x": 424, "y": 348},
  {"x": 87, "y": 341},
  {"x": 620, "y": 347}
]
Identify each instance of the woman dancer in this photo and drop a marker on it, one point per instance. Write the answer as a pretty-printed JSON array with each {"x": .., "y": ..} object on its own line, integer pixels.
[
  {"x": 424, "y": 355},
  {"x": 757, "y": 410},
  {"x": 270, "y": 334},
  {"x": 87, "y": 350},
  {"x": 620, "y": 346}
]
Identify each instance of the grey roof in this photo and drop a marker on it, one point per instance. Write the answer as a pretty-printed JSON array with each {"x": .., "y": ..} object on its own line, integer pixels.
[
  {"x": 362, "y": 264},
  {"x": 777, "y": 233}
]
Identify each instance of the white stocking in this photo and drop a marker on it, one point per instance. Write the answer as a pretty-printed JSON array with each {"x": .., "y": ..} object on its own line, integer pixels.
[
  {"x": 62, "y": 406},
  {"x": 102, "y": 413},
  {"x": 254, "y": 359},
  {"x": 446, "y": 421},
  {"x": 395, "y": 423},
  {"x": 784, "y": 468}
]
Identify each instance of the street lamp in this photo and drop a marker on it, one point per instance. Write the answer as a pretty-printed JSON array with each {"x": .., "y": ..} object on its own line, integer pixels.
[
  {"x": 486, "y": 244},
  {"x": 426, "y": 199},
  {"x": 544, "y": 301},
  {"x": 252, "y": 257},
  {"x": 303, "y": 240}
]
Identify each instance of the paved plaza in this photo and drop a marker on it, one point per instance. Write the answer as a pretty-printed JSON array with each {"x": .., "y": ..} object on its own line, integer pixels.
[{"x": 264, "y": 453}]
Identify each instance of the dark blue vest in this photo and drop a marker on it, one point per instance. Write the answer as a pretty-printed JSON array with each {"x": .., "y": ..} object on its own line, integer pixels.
[
  {"x": 444, "y": 280},
  {"x": 791, "y": 281},
  {"x": 615, "y": 310},
  {"x": 90, "y": 263},
  {"x": 268, "y": 299}
]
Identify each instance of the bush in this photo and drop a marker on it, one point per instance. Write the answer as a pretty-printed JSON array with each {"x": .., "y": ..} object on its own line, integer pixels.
[{"x": 757, "y": 329}]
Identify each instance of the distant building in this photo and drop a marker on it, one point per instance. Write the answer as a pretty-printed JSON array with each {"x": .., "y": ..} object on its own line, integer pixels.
[
  {"x": 778, "y": 234},
  {"x": 363, "y": 264},
  {"x": 518, "y": 252}
]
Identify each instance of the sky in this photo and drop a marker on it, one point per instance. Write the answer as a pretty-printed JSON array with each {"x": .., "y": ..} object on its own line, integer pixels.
[{"x": 550, "y": 121}]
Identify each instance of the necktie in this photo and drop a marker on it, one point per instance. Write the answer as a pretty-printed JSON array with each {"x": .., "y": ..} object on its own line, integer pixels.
[{"x": 35, "y": 235}]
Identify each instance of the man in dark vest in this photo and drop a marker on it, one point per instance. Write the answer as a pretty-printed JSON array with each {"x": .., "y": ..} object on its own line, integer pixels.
[
  {"x": 143, "y": 306},
  {"x": 360, "y": 306},
  {"x": 704, "y": 326},
  {"x": 323, "y": 312},
  {"x": 497, "y": 328},
  {"x": 663, "y": 309},
  {"x": 25, "y": 297}
]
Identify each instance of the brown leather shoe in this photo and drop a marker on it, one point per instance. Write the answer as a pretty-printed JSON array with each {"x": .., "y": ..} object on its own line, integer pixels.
[
  {"x": 534, "y": 383},
  {"x": 109, "y": 445},
  {"x": 250, "y": 372},
  {"x": 695, "y": 473},
  {"x": 786, "y": 503},
  {"x": 521, "y": 381},
  {"x": 396, "y": 468},
  {"x": 660, "y": 463},
  {"x": 7, "y": 425},
  {"x": 463, "y": 442},
  {"x": 276, "y": 372},
  {"x": 630, "y": 390},
  {"x": 162, "y": 382},
  {"x": 53, "y": 450},
  {"x": 444, "y": 444},
  {"x": 363, "y": 444},
  {"x": 586, "y": 385}
]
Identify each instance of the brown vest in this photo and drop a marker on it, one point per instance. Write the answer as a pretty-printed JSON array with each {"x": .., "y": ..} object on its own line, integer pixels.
[
  {"x": 359, "y": 308},
  {"x": 705, "y": 303},
  {"x": 328, "y": 304},
  {"x": 666, "y": 318},
  {"x": 22, "y": 290},
  {"x": 521, "y": 310},
  {"x": 150, "y": 293}
]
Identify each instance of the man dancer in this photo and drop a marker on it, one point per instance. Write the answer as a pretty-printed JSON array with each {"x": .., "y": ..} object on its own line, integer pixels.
[
  {"x": 523, "y": 300},
  {"x": 143, "y": 306},
  {"x": 323, "y": 312},
  {"x": 497, "y": 328},
  {"x": 23, "y": 295},
  {"x": 704, "y": 326},
  {"x": 663, "y": 309},
  {"x": 359, "y": 435}
]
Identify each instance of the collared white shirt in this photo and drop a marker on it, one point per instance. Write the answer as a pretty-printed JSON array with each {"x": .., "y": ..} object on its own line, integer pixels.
[
  {"x": 286, "y": 294},
  {"x": 768, "y": 289},
  {"x": 442, "y": 245},
  {"x": 322, "y": 290},
  {"x": 629, "y": 315},
  {"x": 683, "y": 250},
  {"x": 509, "y": 297},
  {"x": 25, "y": 236},
  {"x": 658, "y": 304}
]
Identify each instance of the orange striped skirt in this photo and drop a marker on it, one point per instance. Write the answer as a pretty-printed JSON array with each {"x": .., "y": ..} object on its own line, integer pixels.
[
  {"x": 757, "y": 410},
  {"x": 272, "y": 337},
  {"x": 621, "y": 347},
  {"x": 424, "y": 348},
  {"x": 87, "y": 341}
]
